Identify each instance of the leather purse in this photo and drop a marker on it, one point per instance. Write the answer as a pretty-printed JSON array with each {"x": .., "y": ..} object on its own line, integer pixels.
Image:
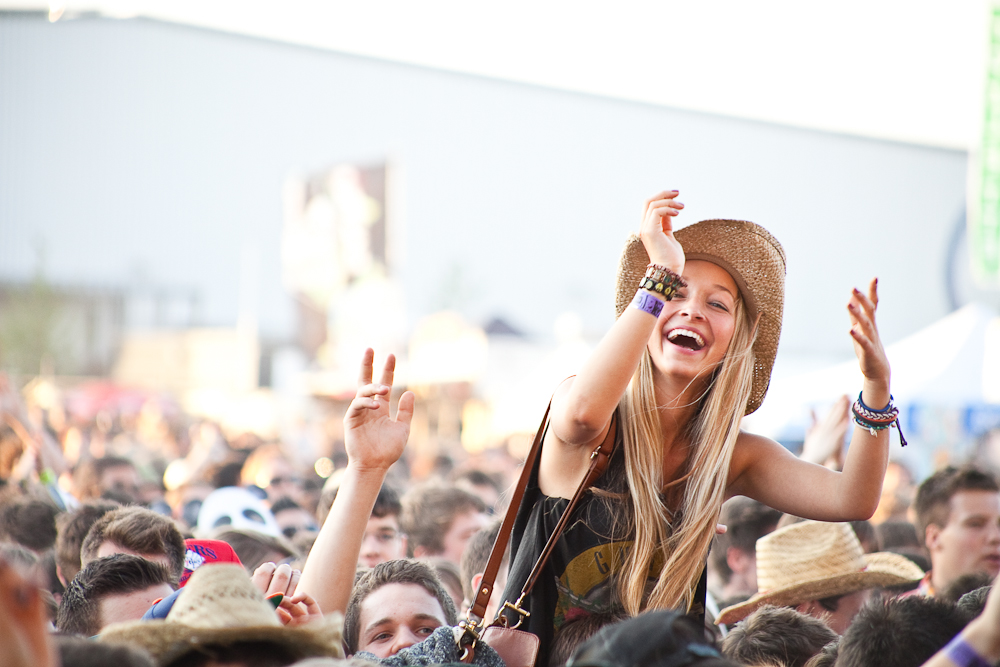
[{"x": 517, "y": 647}]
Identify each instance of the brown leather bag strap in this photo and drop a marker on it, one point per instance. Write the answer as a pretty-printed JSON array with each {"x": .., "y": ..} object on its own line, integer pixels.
[
  {"x": 478, "y": 608},
  {"x": 598, "y": 463},
  {"x": 599, "y": 459}
]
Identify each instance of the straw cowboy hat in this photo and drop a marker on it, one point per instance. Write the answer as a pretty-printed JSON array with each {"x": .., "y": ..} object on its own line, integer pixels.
[
  {"x": 221, "y": 606},
  {"x": 813, "y": 560},
  {"x": 754, "y": 259}
]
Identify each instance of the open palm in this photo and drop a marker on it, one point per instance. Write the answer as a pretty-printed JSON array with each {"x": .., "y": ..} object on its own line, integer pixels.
[{"x": 372, "y": 436}]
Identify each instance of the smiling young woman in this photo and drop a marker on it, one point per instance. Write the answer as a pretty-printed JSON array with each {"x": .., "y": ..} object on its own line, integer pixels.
[{"x": 699, "y": 316}]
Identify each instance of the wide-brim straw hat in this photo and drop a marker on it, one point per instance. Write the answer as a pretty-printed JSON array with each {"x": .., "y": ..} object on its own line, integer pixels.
[
  {"x": 813, "y": 560},
  {"x": 221, "y": 606},
  {"x": 756, "y": 262}
]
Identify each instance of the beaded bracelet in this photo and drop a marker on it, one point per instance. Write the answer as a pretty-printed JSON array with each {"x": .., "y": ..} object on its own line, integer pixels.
[
  {"x": 647, "y": 303},
  {"x": 963, "y": 655},
  {"x": 877, "y": 420},
  {"x": 661, "y": 280}
]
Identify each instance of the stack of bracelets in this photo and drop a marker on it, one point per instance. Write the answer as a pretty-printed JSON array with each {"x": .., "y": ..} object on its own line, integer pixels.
[
  {"x": 660, "y": 280},
  {"x": 877, "y": 420}
]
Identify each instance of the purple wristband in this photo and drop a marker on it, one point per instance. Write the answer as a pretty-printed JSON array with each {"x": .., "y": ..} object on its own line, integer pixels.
[
  {"x": 963, "y": 655},
  {"x": 647, "y": 303}
]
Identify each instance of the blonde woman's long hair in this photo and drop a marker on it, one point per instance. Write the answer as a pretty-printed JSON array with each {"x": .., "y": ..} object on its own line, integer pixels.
[{"x": 679, "y": 540}]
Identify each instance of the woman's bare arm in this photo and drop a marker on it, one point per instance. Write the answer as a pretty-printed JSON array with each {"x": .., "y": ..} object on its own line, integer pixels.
[
  {"x": 763, "y": 470},
  {"x": 582, "y": 407},
  {"x": 374, "y": 441}
]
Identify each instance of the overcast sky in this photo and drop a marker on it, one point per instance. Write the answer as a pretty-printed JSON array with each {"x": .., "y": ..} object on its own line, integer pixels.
[{"x": 907, "y": 71}]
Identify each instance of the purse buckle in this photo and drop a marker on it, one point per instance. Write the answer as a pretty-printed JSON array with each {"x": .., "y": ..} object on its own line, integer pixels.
[{"x": 516, "y": 608}]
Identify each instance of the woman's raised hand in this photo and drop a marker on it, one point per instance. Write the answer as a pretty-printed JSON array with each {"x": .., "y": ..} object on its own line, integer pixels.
[
  {"x": 657, "y": 231},
  {"x": 868, "y": 345},
  {"x": 374, "y": 439}
]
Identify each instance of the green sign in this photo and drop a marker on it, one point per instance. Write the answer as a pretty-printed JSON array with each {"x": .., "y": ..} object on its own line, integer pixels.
[{"x": 984, "y": 209}]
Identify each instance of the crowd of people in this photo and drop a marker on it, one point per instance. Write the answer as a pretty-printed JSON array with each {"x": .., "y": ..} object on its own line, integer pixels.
[{"x": 694, "y": 543}]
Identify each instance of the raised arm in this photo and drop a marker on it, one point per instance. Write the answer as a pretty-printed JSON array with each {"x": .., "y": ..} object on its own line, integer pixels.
[
  {"x": 374, "y": 440},
  {"x": 765, "y": 471},
  {"x": 582, "y": 406}
]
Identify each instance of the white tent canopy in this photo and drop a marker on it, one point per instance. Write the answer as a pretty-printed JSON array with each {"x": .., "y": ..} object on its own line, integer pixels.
[{"x": 954, "y": 362}]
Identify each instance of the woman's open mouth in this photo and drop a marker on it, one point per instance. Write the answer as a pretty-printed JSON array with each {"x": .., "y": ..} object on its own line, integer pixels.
[{"x": 686, "y": 338}]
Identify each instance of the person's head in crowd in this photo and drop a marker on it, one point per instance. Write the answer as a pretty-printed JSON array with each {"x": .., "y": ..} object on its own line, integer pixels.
[
  {"x": 733, "y": 558},
  {"x": 254, "y": 549},
  {"x": 137, "y": 531},
  {"x": 73, "y": 528},
  {"x": 440, "y": 520},
  {"x": 897, "y": 494},
  {"x": 972, "y": 603},
  {"x": 30, "y": 523},
  {"x": 33, "y": 568},
  {"x": 958, "y": 517},
  {"x": 474, "y": 560},
  {"x": 893, "y": 534},
  {"x": 776, "y": 636},
  {"x": 76, "y": 651},
  {"x": 112, "y": 589},
  {"x": 651, "y": 639},
  {"x": 395, "y": 605},
  {"x": 900, "y": 632},
  {"x": 94, "y": 478},
  {"x": 867, "y": 536},
  {"x": 384, "y": 539},
  {"x": 964, "y": 584},
  {"x": 221, "y": 618},
  {"x": 235, "y": 507},
  {"x": 270, "y": 469},
  {"x": 820, "y": 569},
  {"x": 574, "y": 633},
  {"x": 25, "y": 629},
  {"x": 827, "y": 657},
  {"x": 206, "y": 552},
  {"x": 481, "y": 484},
  {"x": 185, "y": 500},
  {"x": 450, "y": 577},
  {"x": 292, "y": 518}
]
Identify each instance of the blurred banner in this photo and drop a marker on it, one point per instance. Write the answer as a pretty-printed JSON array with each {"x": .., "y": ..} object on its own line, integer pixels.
[
  {"x": 984, "y": 180},
  {"x": 337, "y": 263}
]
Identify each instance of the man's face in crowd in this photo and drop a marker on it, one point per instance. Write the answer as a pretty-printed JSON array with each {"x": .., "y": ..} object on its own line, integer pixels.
[
  {"x": 462, "y": 528},
  {"x": 122, "y": 479},
  {"x": 839, "y": 619},
  {"x": 383, "y": 541},
  {"x": 130, "y": 606},
  {"x": 970, "y": 541},
  {"x": 396, "y": 616}
]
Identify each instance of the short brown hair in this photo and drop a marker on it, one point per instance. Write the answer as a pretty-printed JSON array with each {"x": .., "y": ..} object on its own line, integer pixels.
[
  {"x": 428, "y": 512},
  {"x": 477, "y": 555},
  {"x": 746, "y": 521},
  {"x": 933, "y": 502},
  {"x": 392, "y": 572},
  {"x": 30, "y": 523},
  {"x": 73, "y": 528},
  {"x": 80, "y": 608},
  {"x": 139, "y": 530},
  {"x": 776, "y": 635}
]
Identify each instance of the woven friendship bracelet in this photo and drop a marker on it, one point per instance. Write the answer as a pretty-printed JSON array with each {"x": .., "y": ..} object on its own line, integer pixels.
[
  {"x": 661, "y": 280},
  {"x": 877, "y": 420},
  {"x": 963, "y": 655},
  {"x": 647, "y": 303}
]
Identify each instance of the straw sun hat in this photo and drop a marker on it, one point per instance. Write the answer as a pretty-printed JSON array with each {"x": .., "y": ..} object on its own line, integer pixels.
[
  {"x": 754, "y": 259},
  {"x": 221, "y": 606},
  {"x": 813, "y": 560}
]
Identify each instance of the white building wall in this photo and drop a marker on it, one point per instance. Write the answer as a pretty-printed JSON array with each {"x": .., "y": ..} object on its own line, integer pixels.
[{"x": 139, "y": 152}]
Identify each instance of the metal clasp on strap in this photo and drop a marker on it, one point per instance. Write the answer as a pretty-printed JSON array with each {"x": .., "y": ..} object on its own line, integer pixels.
[
  {"x": 516, "y": 608},
  {"x": 593, "y": 454},
  {"x": 466, "y": 636}
]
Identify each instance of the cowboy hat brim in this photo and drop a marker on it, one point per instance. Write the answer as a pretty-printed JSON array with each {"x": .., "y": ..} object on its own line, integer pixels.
[{"x": 881, "y": 569}]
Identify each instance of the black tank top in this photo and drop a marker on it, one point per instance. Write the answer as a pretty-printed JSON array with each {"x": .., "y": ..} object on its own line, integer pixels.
[{"x": 579, "y": 577}]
